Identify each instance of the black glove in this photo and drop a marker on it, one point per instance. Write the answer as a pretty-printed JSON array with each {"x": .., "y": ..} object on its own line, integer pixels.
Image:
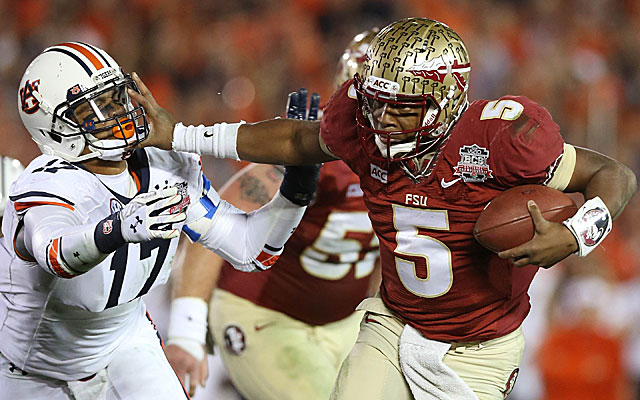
[
  {"x": 297, "y": 105},
  {"x": 300, "y": 182}
]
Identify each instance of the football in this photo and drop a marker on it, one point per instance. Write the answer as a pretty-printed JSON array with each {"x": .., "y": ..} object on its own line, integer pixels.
[{"x": 505, "y": 222}]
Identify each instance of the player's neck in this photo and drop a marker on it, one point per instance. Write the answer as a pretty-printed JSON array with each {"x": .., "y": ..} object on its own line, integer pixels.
[{"x": 103, "y": 167}]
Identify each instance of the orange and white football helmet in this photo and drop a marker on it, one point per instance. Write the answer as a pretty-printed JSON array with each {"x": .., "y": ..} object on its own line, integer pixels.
[{"x": 74, "y": 76}]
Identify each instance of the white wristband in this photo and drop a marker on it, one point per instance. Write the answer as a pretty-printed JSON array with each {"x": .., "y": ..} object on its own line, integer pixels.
[
  {"x": 218, "y": 140},
  {"x": 590, "y": 225},
  {"x": 188, "y": 324}
]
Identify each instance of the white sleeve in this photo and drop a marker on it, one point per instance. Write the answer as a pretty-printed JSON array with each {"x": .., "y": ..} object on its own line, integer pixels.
[
  {"x": 59, "y": 242},
  {"x": 251, "y": 241}
]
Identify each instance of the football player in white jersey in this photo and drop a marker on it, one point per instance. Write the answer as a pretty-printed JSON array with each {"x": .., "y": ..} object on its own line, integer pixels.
[
  {"x": 92, "y": 225},
  {"x": 10, "y": 169}
]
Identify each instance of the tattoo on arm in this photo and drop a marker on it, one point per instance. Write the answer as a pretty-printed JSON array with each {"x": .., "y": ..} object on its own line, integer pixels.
[{"x": 252, "y": 189}]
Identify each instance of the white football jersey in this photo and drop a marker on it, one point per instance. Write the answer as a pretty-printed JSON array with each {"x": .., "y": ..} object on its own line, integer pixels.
[{"x": 69, "y": 328}]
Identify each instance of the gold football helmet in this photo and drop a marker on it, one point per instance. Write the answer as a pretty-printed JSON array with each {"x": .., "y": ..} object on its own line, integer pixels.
[
  {"x": 353, "y": 57},
  {"x": 417, "y": 64}
]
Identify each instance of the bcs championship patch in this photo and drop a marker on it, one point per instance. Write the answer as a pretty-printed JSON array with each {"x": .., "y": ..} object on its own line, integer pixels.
[{"x": 473, "y": 166}]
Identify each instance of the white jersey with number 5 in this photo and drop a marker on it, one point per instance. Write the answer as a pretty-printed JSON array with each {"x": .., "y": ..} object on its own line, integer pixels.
[{"x": 70, "y": 328}]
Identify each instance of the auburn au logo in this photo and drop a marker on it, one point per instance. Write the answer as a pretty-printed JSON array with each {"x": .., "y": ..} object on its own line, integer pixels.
[{"x": 28, "y": 101}]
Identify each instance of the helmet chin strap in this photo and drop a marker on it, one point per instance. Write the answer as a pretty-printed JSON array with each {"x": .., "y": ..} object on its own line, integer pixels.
[
  {"x": 110, "y": 154},
  {"x": 394, "y": 149}
]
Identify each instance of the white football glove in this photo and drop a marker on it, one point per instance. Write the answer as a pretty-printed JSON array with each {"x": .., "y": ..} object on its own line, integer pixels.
[{"x": 153, "y": 215}]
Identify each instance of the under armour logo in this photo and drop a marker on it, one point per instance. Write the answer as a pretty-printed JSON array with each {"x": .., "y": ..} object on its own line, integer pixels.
[
  {"x": 138, "y": 222},
  {"x": 76, "y": 254}
]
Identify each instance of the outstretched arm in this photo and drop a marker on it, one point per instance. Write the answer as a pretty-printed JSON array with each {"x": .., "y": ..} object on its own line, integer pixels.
[
  {"x": 194, "y": 280},
  {"x": 275, "y": 141}
]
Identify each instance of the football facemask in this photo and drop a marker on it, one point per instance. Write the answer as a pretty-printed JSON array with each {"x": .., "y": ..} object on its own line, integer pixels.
[{"x": 109, "y": 122}]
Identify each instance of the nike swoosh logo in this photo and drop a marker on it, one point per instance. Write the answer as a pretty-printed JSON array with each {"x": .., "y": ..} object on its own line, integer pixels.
[
  {"x": 208, "y": 133},
  {"x": 447, "y": 184},
  {"x": 260, "y": 327}
]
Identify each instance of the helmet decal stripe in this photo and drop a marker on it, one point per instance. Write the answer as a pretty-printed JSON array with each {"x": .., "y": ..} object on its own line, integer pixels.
[
  {"x": 97, "y": 52},
  {"x": 70, "y": 54},
  {"x": 85, "y": 52}
]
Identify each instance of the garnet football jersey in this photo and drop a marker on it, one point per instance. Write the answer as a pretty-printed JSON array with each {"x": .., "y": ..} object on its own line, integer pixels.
[
  {"x": 324, "y": 270},
  {"x": 436, "y": 277}
]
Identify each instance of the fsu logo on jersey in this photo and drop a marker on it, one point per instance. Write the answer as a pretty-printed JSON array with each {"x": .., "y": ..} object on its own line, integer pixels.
[
  {"x": 234, "y": 339},
  {"x": 28, "y": 102},
  {"x": 473, "y": 166}
]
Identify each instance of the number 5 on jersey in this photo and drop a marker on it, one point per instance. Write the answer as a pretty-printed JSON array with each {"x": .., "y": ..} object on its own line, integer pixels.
[{"x": 414, "y": 245}]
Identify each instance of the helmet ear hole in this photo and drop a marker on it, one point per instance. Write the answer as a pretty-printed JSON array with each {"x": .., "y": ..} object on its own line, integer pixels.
[{"x": 55, "y": 137}]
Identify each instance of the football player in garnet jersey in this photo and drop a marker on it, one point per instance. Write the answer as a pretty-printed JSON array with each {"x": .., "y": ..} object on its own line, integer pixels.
[
  {"x": 92, "y": 225},
  {"x": 447, "y": 322},
  {"x": 284, "y": 333}
]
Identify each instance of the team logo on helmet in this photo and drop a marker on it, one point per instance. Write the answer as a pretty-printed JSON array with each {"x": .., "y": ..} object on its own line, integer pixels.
[
  {"x": 74, "y": 92},
  {"x": 473, "y": 166},
  {"x": 437, "y": 69},
  {"x": 28, "y": 102}
]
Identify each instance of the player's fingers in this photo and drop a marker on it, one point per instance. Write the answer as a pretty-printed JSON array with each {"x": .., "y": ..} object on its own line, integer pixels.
[
  {"x": 292, "y": 105},
  {"x": 193, "y": 384},
  {"x": 302, "y": 104},
  {"x": 536, "y": 215},
  {"x": 204, "y": 371},
  {"x": 146, "y": 93},
  {"x": 522, "y": 261},
  {"x": 516, "y": 252},
  {"x": 314, "y": 106},
  {"x": 180, "y": 372}
]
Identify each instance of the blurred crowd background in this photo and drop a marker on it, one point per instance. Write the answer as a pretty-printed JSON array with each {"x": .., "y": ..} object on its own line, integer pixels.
[{"x": 209, "y": 61}]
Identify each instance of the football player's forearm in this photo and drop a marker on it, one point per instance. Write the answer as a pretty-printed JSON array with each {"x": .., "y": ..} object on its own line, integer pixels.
[
  {"x": 197, "y": 274},
  {"x": 615, "y": 184},
  {"x": 598, "y": 175},
  {"x": 607, "y": 186},
  {"x": 276, "y": 141},
  {"x": 252, "y": 241},
  {"x": 58, "y": 244},
  {"x": 281, "y": 141}
]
